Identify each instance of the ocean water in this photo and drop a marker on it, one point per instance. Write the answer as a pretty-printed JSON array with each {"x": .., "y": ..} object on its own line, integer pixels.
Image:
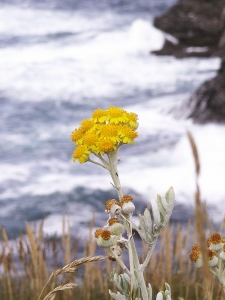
[{"x": 60, "y": 60}]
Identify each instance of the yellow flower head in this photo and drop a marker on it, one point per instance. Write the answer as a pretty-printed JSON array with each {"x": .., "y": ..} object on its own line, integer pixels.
[
  {"x": 106, "y": 131},
  {"x": 86, "y": 125},
  {"x": 77, "y": 135},
  {"x": 105, "y": 146},
  {"x": 132, "y": 119},
  {"x": 116, "y": 115},
  {"x": 90, "y": 139},
  {"x": 81, "y": 154},
  {"x": 110, "y": 132},
  {"x": 128, "y": 134},
  {"x": 99, "y": 115}
]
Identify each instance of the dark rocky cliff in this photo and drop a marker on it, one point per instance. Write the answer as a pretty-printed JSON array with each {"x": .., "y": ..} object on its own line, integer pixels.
[{"x": 199, "y": 26}]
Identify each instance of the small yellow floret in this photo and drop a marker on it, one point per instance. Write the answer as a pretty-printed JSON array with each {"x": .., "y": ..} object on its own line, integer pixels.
[
  {"x": 90, "y": 139},
  {"x": 76, "y": 135},
  {"x": 81, "y": 153},
  {"x": 86, "y": 125},
  {"x": 132, "y": 119},
  {"x": 116, "y": 115},
  {"x": 99, "y": 115},
  {"x": 109, "y": 131},
  {"x": 105, "y": 146},
  {"x": 127, "y": 134}
]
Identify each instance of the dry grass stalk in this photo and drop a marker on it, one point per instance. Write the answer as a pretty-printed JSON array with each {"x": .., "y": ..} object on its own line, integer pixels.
[
  {"x": 201, "y": 223},
  {"x": 176, "y": 239},
  {"x": 70, "y": 268},
  {"x": 60, "y": 288}
]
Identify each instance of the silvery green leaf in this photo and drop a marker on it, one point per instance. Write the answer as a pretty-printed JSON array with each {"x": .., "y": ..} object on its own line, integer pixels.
[
  {"x": 142, "y": 223},
  {"x": 149, "y": 290},
  {"x": 168, "y": 289},
  {"x": 168, "y": 206},
  {"x": 117, "y": 296},
  {"x": 136, "y": 284},
  {"x": 112, "y": 274},
  {"x": 155, "y": 211},
  {"x": 140, "y": 232},
  {"x": 170, "y": 196},
  {"x": 122, "y": 283},
  {"x": 160, "y": 204},
  {"x": 146, "y": 226},
  {"x": 160, "y": 296},
  {"x": 148, "y": 220},
  {"x": 126, "y": 277}
]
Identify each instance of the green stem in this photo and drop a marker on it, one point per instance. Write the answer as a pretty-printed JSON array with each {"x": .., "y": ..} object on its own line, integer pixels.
[
  {"x": 113, "y": 159},
  {"x": 132, "y": 252},
  {"x": 120, "y": 262},
  {"x": 131, "y": 258},
  {"x": 148, "y": 257}
]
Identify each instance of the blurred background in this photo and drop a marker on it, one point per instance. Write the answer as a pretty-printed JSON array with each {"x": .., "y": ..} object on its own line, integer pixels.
[{"x": 59, "y": 60}]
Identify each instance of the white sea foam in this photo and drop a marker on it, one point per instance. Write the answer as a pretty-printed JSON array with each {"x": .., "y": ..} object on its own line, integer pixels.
[
  {"x": 100, "y": 63},
  {"x": 100, "y": 60}
]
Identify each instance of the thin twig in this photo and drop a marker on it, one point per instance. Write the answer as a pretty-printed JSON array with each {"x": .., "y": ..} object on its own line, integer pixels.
[{"x": 96, "y": 163}]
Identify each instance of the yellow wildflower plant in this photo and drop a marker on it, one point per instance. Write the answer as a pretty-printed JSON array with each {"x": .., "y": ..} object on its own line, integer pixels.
[{"x": 104, "y": 133}]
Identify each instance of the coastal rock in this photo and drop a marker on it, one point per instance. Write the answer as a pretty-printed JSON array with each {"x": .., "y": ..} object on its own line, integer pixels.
[
  {"x": 197, "y": 24},
  {"x": 199, "y": 27},
  {"x": 207, "y": 104}
]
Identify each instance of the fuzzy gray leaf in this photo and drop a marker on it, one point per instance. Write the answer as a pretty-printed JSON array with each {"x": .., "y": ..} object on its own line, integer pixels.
[{"x": 117, "y": 296}]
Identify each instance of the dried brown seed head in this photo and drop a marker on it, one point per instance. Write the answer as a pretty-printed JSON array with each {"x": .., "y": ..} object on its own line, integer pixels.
[
  {"x": 113, "y": 221},
  {"x": 109, "y": 203},
  {"x": 194, "y": 255},
  {"x": 209, "y": 241},
  {"x": 126, "y": 198},
  {"x": 216, "y": 238},
  {"x": 105, "y": 234},
  {"x": 211, "y": 254},
  {"x": 98, "y": 232}
]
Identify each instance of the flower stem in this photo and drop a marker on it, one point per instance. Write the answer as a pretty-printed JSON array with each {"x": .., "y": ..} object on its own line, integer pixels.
[{"x": 113, "y": 159}]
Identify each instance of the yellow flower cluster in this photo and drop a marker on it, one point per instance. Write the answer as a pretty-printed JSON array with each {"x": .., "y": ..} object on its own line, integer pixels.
[{"x": 106, "y": 131}]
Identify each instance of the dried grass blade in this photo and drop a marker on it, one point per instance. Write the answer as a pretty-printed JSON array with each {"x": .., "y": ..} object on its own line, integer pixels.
[
  {"x": 60, "y": 288},
  {"x": 75, "y": 264}
]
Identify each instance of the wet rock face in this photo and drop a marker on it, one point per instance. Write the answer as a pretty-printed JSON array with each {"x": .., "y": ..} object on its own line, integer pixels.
[
  {"x": 195, "y": 23},
  {"x": 207, "y": 104},
  {"x": 199, "y": 26}
]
